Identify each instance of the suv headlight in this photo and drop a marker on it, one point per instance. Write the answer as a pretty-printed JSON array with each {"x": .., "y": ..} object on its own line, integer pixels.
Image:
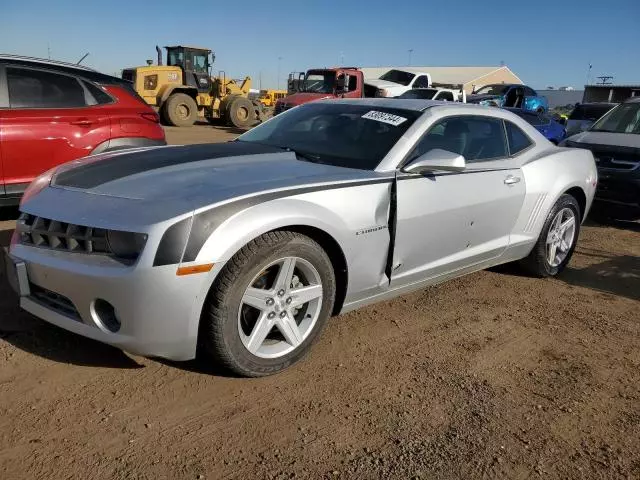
[{"x": 127, "y": 245}]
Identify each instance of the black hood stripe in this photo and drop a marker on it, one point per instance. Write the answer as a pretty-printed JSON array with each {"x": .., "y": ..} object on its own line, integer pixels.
[
  {"x": 204, "y": 223},
  {"x": 122, "y": 165}
]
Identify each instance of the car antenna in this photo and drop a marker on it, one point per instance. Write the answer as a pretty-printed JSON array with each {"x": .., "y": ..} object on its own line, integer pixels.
[{"x": 83, "y": 57}]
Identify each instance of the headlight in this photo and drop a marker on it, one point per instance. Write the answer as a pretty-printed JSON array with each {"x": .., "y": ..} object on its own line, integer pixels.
[
  {"x": 39, "y": 184},
  {"x": 127, "y": 245}
]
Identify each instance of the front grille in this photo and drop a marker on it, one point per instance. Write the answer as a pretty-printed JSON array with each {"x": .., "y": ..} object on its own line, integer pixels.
[
  {"x": 54, "y": 301},
  {"x": 52, "y": 234}
]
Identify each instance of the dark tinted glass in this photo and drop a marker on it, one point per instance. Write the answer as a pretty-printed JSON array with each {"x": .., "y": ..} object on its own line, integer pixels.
[
  {"x": 529, "y": 92},
  {"x": 99, "y": 95},
  {"x": 421, "y": 82},
  {"x": 398, "y": 76},
  {"x": 533, "y": 118},
  {"x": 474, "y": 137},
  {"x": 625, "y": 118},
  {"x": 446, "y": 96},
  {"x": 40, "y": 89},
  {"x": 518, "y": 140},
  {"x": 345, "y": 135},
  {"x": 424, "y": 94},
  {"x": 589, "y": 112}
]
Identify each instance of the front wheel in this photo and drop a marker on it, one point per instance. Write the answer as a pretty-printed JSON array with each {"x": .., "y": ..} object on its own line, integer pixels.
[
  {"x": 268, "y": 305},
  {"x": 181, "y": 110},
  {"x": 557, "y": 240}
]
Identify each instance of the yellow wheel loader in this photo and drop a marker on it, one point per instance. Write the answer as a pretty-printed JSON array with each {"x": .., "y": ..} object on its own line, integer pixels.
[{"x": 184, "y": 91}]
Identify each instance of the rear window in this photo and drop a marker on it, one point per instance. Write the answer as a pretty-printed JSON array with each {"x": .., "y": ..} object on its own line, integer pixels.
[
  {"x": 41, "y": 89},
  {"x": 589, "y": 112}
]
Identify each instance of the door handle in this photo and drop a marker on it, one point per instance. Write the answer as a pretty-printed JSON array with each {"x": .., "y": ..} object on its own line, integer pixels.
[
  {"x": 82, "y": 122},
  {"x": 511, "y": 180}
]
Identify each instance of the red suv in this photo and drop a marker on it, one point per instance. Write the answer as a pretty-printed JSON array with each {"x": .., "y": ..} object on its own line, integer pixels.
[{"x": 54, "y": 112}]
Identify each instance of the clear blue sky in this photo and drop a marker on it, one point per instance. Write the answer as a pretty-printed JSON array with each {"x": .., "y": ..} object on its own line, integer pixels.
[{"x": 544, "y": 42}]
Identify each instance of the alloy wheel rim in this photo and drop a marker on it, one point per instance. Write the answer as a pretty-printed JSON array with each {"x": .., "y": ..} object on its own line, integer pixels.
[
  {"x": 561, "y": 236},
  {"x": 280, "y": 307}
]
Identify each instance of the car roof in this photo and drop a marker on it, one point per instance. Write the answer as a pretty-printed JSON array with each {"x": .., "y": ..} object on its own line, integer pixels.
[
  {"x": 62, "y": 67},
  {"x": 416, "y": 105}
]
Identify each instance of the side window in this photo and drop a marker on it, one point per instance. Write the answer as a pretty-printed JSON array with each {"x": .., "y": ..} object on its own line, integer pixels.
[
  {"x": 99, "y": 96},
  {"x": 445, "y": 96},
  {"x": 529, "y": 92},
  {"x": 421, "y": 82},
  {"x": 353, "y": 82},
  {"x": 518, "y": 140},
  {"x": 40, "y": 89},
  {"x": 477, "y": 138}
]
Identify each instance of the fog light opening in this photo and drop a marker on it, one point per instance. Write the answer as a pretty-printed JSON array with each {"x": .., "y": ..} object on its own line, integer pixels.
[{"x": 106, "y": 315}]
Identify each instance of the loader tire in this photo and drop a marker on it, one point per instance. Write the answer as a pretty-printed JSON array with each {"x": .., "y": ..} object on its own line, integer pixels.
[
  {"x": 181, "y": 110},
  {"x": 240, "y": 113}
]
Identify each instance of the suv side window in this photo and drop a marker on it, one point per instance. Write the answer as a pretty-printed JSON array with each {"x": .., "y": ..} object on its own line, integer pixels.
[
  {"x": 421, "y": 82},
  {"x": 475, "y": 137},
  {"x": 518, "y": 140},
  {"x": 529, "y": 92},
  {"x": 40, "y": 89}
]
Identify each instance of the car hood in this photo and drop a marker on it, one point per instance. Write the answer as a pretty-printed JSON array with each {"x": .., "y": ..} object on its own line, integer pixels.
[
  {"x": 376, "y": 82},
  {"x": 630, "y": 140},
  {"x": 304, "y": 97},
  {"x": 147, "y": 186}
]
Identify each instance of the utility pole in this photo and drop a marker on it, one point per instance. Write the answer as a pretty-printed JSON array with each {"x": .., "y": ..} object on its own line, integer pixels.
[
  {"x": 410, "y": 52},
  {"x": 341, "y": 59},
  {"x": 49, "y": 50},
  {"x": 589, "y": 74},
  {"x": 279, "y": 60},
  {"x": 260, "y": 80}
]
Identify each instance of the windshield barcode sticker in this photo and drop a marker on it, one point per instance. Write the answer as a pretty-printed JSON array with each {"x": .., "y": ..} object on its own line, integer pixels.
[{"x": 389, "y": 118}]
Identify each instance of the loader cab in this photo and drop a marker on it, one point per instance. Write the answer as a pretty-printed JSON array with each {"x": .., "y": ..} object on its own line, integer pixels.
[{"x": 195, "y": 64}]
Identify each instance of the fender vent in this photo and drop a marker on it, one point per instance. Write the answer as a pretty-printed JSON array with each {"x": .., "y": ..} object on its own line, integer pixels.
[{"x": 535, "y": 212}]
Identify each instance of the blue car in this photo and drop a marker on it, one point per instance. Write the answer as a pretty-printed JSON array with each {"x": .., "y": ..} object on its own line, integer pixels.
[
  {"x": 509, "y": 95},
  {"x": 552, "y": 130}
]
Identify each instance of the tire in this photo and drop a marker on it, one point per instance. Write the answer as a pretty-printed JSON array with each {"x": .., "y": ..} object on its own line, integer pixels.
[
  {"x": 181, "y": 110},
  {"x": 240, "y": 113},
  {"x": 537, "y": 263},
  {"x": 226, "y": 329}
]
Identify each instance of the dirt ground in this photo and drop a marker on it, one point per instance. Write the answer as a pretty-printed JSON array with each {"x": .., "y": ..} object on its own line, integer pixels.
[{"x": 494, "y": 375}]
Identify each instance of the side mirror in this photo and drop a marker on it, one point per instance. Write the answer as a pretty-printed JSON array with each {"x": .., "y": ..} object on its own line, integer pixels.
[{"x": 434, "y": 160}]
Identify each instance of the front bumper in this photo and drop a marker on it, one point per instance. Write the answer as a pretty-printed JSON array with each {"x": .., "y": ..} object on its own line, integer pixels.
[
  {"x": 158, "y": 311},
  {"x": 620, "y": 188}
]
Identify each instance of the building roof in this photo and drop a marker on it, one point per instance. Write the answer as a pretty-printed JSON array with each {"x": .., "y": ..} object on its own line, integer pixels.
[{"x": 452, "y": 75}]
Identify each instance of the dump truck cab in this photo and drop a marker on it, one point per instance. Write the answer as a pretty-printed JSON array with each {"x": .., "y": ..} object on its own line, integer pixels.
[{"x": 321, "y": 83}]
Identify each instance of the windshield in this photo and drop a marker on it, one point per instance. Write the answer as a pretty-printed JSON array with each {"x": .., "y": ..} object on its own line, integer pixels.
[
  {"x": 625, "y": 118},
  {"x": 344, "y": 135},
  {"x": 320, "y": 82},
  {"x": 398, "y": 76},
  {"x": 492, "y": 90},
  {"x": 590, "y": 112},
  {"x": 419, "y": 93}
]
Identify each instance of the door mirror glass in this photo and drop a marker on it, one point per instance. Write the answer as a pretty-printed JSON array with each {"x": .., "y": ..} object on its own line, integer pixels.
[{"x": 436, "y": 160}]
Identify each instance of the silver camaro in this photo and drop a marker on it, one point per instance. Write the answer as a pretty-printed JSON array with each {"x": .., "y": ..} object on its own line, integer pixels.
[{"x": 243, "y": 250}]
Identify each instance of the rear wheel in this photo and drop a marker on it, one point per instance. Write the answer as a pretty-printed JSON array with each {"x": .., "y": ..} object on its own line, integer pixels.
[
  {"x": 268, "y": 305},
  {"x": 181, "y": 110},
  {"x": 557, "y": 240},
  {"x": 240, "y": 113}
]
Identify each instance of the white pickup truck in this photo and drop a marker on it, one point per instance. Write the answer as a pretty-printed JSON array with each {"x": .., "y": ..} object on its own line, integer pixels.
[
  {"x": 445, "y": 93},
  {"x": 395, "y": 82}
]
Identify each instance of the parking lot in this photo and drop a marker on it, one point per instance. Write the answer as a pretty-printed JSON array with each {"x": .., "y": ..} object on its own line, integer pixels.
[{"x": 493, "y": 375}]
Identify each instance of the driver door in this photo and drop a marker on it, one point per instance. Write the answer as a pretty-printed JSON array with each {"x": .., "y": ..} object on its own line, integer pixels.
[{"x": 451, "y": 221}]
